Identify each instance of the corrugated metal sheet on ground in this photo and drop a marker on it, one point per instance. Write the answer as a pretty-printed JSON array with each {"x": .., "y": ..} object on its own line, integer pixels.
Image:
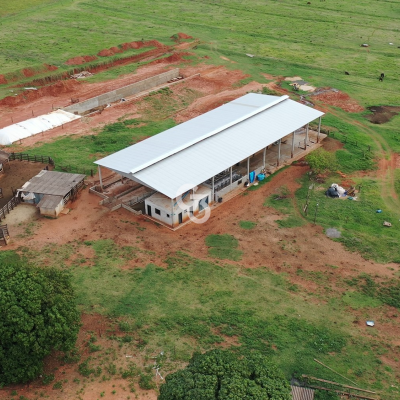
[
  {"x": 207, "y": 157},
  {"x": 301, "y": 393},
  {"x": 33, "y": 126},
  {"x": 49, "y": 201},
  {"x": 52, "y": 182}
]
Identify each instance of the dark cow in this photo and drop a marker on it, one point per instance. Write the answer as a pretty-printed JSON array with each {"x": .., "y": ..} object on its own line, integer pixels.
[{"x": 381, "y": 77}]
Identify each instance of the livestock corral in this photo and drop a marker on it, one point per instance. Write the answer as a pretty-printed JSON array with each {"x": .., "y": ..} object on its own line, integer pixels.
[{"x": 261, "y": 273}]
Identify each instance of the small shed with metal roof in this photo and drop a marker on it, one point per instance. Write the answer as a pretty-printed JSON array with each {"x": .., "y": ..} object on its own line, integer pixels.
[
  {"x": 215, "y": 153},
  {"x": 51, "y": 190}
]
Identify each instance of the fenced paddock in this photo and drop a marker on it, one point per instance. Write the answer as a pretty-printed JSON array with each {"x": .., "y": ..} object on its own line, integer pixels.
[{"x": 8, "y": 207}]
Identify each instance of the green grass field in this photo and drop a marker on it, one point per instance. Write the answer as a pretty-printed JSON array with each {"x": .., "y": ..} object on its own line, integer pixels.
[{"x": 319, "y": 41}]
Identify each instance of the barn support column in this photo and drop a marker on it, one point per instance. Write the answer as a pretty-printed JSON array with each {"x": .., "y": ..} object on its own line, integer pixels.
[
  {"x": 212, "y": 191},
  {"x": 264, "y": 156},
  {"x": 292, "y": 152},
  {"x": 172, "y": 212},
  {"x": 319, "y": 128},
  {"x": 101, "y": 180},
  {"x": 306, "y": 139},
  {"x": 248, "y": 168},
  {"x": 279, "y": 153}
]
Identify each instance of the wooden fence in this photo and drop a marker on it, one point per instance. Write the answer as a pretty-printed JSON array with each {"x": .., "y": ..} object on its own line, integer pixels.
[
  {"x": 34, "y": 158},
  {"x": 4, "y": 233},
  {"x": 9, "y": 207}
]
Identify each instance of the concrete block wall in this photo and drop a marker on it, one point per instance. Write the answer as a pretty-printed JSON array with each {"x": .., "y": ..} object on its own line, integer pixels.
[{"x": 125, "y": 91}]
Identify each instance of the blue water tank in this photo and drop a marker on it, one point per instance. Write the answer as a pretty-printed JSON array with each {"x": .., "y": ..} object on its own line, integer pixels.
[{"x": 260, "y": 177}]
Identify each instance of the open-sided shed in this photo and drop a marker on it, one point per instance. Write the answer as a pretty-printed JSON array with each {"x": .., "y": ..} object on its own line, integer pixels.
[{"x": 198, "y": 162}]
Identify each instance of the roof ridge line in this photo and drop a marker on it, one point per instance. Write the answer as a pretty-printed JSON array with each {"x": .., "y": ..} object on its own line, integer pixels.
[{"x": 212, "y": 133}]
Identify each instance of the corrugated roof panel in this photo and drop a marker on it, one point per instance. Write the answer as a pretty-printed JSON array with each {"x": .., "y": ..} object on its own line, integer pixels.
[
  {"x": 49, "y": 201},
  {"x": 207, "y": 157},
  {"x": 52, "y": 183},
  {"x": 302, "y": 393},
  {"x": 171, "y": 141}
]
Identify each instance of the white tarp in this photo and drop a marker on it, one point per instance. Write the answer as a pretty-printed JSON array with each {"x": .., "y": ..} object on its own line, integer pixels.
[{"x": 33, "y": 126}]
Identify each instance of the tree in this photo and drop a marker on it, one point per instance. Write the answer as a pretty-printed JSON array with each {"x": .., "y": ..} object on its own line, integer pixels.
[
  {"x": 321, "y": 161},
  {"x": 38, "y": 315},
  {"x": 223, "y": 375}
]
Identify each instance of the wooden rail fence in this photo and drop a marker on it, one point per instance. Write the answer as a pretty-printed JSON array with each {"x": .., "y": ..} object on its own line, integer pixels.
[
  {"x": 4, "y": 233},
  {"x": 34, "y": 158},
  {"x": 9, "y": 207}
]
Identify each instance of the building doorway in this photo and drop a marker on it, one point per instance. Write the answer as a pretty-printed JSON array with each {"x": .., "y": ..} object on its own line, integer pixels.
[
  {"x": 149, "y": 210},
  {"x": 203, "y": 203},
  {"x": 180, "y": 218}
]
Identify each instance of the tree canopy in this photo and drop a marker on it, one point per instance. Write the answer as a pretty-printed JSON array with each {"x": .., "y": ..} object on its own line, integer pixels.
[
  {"x": 38, "y": 315},
  {"x": 224, "y": 375},
  {"x": 321, "y": 161}
]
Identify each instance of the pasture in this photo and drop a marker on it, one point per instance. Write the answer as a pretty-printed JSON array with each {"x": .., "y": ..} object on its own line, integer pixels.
[
  {"x": 263, "y": 278},
  {"x": 320, "y": 40}
]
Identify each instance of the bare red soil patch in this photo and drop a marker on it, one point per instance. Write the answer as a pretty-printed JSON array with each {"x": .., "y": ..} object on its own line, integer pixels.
[
  {"x": 330, "y": 144},
  {"x": 80, "y": 60},
  {"x": 129, "y": 45},
  {"x": 28, "y": 72},
  {"x": 339, "y": 99},
  {"x": 181, "y": 35},
  {"x": 3, "y": 80},
  {"x": 52, "y": 90}
]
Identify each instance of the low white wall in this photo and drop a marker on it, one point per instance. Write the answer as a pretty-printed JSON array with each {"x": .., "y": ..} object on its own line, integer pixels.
[{"x": 125, "y": 91}]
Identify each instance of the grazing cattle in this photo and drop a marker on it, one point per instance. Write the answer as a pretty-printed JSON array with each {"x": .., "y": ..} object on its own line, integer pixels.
[
  {"x": 381, "y": 77},
  {"x": 346, "y": 73}
]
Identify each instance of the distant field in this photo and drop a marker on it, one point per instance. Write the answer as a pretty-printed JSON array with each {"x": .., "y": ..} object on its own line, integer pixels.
[
  {"x": 322, "y": 38},
  {"x": 16, "y": 6}
]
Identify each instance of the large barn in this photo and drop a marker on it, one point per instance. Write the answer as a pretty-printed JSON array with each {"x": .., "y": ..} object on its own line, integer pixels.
[{"x": 197, "y": 163}]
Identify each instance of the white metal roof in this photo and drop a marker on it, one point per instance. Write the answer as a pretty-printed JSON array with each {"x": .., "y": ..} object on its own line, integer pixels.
[
  {"x": 33, "y": 126},
  {"x": 192, "y": 152}
]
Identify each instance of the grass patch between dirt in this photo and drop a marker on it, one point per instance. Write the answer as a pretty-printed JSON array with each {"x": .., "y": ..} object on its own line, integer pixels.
[
  {"x": 247, "y": 224},
  {"x": 223, "y": 247}
]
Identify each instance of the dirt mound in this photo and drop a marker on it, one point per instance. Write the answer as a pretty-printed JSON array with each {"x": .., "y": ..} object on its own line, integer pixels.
[
  {"x": 129, "y": 45},
  {"x": 180, "y": 35},
  {"x": 174, "y": 58},
  {"x": 49, "y": 67},
  {"x": 105, "y": 53},
  {"x": 28, "y": 72},
  {"x": 80, "y": 60},
  {"x": 339, "y": 99},
  {"x": 382, "y": 114},
  {"x": 3, "y": 80},
  {"x": 52, "y": 90}
]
